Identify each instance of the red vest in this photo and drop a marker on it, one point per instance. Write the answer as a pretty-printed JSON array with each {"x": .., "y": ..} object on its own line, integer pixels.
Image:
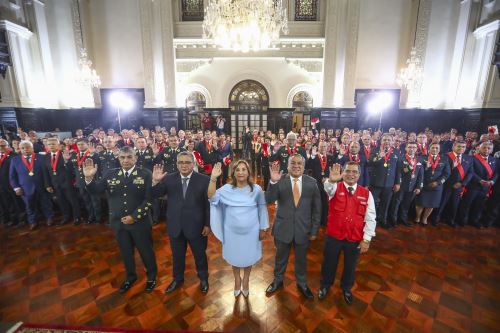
[{"x": 346, "y": 213}]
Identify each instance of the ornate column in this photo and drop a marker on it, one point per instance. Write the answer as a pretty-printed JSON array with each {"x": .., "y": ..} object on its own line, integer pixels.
[
  {"x": 146, "y": 17},
  {"x": 167, "y": 39},
  {"x": 329, "y": 53}
]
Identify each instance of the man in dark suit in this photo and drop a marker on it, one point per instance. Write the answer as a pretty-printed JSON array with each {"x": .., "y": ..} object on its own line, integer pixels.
[
  {"x": 188, "y": 216},
  {"x": 225, "y": 156},
  {"x": 107, "y": 158},
  {"x": 354, "y": 155},
  {"x": 297, "y": 221},
  {"x": 461, "y": 173},
  {"x": 129, "y": 196},
  {"x": 383, "y": 178},
  {"x": 484, "y": 177},
  {"x": 168, "y": 156},
  {"x": 145, "y": 159},
  {"x": 9, "y": 208},
  {"x": 411, "y": 172},
  {"x": 285, "y": 152},
  {"x": 26, "y": 178},
  {"x": 207, "y": 149},
  {"x": 58, "y": 181}
]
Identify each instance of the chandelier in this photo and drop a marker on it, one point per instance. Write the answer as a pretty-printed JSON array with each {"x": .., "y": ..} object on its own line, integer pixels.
[
  {"x": 86, "y": 75},
  {"x": 411, "y": 76},
  {"x": 244, "y": 25}
]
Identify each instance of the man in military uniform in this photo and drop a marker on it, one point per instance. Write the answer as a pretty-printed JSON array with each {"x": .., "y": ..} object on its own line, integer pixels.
[
  {"x": 107, "y": 158},
  {"x": 354, "y": 155},
  {"x": 168, "y": 156},
  {"x": 129, "y": 195},
  {"x": 283, "y": 153},
  {"x": 411, "y": 173},
  {"x": 76, "y": 159},
  {"x": 383, "y": 179},
  {"x": 58, "y": 182},
  {"x": 145, "y": 159}
]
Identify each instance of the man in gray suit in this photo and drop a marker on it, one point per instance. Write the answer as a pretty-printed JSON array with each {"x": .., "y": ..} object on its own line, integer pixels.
[{"x": 297, "y": 220}]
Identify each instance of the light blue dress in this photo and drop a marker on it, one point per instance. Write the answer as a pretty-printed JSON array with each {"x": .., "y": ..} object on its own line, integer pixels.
[{"x": 236, "y": 216}]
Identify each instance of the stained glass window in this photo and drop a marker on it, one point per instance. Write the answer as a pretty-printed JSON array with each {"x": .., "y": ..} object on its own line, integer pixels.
[
  {"x": 306, "y": 10},
  {"x": 192, "y": 10}
]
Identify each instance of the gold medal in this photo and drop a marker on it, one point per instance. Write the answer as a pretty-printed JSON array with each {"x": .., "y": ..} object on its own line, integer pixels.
[
  {"x": 322, "y": 173},
  {"x": 55, "y": 173},
  {"x": 31, "y": 173},
  {"x": 385, "y": 165}
]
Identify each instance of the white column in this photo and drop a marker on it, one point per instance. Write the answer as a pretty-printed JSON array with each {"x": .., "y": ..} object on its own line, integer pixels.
[
  {"x": 341, "y": 36},
  {"x": 18, "y": 39},
  {"x": 466, "y": 23},
  {"x": 167, "y": 38},
  {"x": 146, "y": 17}
]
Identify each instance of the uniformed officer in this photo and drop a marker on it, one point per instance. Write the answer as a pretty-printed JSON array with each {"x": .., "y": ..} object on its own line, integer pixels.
[
  {"x": 480, "y": 187},
  {"x": 461, "y": 173},
  {"x": 353, "y": 155},
  {"x": 283, "y": 153},
  {"x": 58, "y": 182},
  {"x": 108, "y": 157},
  {"x": 76, "y": 159},
  {"x": 145, "y": 159},
  {"x": 168, "y": 156},
  {"x": 384, "y": 179},
  {"x": 129, "y": 194},
  {"x": 411, "y": 172}
]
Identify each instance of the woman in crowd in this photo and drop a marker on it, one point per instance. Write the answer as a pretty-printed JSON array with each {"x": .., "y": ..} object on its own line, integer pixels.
[{"x": 239, "y": 219}]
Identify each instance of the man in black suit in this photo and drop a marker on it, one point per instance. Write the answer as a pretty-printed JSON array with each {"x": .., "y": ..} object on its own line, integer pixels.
[
  {"x": 188, "y": 216},
  {"x": 129, "y": 197},
  {"x": 9, "y": 209},
  {"x": 58, "y": 182}
]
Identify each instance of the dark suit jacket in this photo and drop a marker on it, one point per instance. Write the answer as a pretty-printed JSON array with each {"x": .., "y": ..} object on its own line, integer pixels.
[
  {"x": 295, "y": 223},
  {"x": 126, "y": 196},
  {"x": 4, "y": 172},
  {"x": 441, "y": 173},
  {"x": 455, "y": 175},
  {"x": 363, "y": 175},
  {"x": 406, "y": 181},
  {"x": 314, "y": 165},
  {"x": 63, "y": 176},
  {"x": 187, "y": 215},
  {"x": 19, "y": 177},
  {"x": 380, "y": 175},
  {"x": 480, "y": 173}
]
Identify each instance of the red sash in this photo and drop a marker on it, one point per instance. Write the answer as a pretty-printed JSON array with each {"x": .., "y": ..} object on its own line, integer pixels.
[
  {"x": 456, "y": 162},
  {"x": 4, "y": 156},
  {"x": 367, "y": 151},
  {"x": 30, "y": 165},
  {"x": 79, "y": 161},
  {"x": 433, "y": 164},
  {"x": 53, "y": 162},
  {"x": 387, "y": 155},
  {"x": 290, "y": 152},
  {"x": 484, "y": 162},
  {"x": 323, "y": 161},
  {"x": 357, "y": 158},
  {"x": 208, "y": 146},
  {"x": 198, "y": 158},
  {"x": 423, "y": 150},
  {"x": 413, "y": 163},
  {"x": 226, "y": 160},
  {"x": 264, "y": 150}
]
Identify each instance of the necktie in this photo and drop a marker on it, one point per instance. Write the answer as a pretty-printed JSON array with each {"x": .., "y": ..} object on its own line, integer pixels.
[
  {"x": 296, "y": 192},
  {"x": 28, "y": 159},
  {"x": 459, "y": 158},
  {"x": 126, "y": 174},
  {"x": 351, "y": 190},
  {"x": 184, "y": 186},
  {"x": 53, "y": 156}
]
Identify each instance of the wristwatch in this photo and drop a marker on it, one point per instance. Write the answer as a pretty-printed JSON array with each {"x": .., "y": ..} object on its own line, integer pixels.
[{"x": 366, "y": 241}]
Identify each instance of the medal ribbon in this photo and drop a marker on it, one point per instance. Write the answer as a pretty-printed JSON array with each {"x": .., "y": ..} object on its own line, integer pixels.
[
  {"x": 323, "y": 161},
  {"x": 411, "y": 162},
  {"x": 7, "y": 152},
  {"x": 387, "y": 155},
  {"x": 79, "y": 161},
  {"x": 356, "y": 160},
  {"x": 433, "y": 164},
  {"x": 53, "y": 162},
  {"x": 456, "y": 162},
  {"x": 30, "y": 165}
]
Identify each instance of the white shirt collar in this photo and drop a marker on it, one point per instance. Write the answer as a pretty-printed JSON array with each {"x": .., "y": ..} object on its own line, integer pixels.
[
  {"x": 188, "y": 176},
  {"x": 300, "y": 178},
  {"x": 129, "y": 171},
  {"x": 355, "y": 186}
]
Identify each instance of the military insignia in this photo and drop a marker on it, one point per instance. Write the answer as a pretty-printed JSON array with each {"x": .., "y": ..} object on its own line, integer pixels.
[
  {"x": 120, "y": 173},
  {"x": 117, "y": 181},
  {"x": 134, "y": 173},
  {"x": 406, "y": 170},
  {"x": 139, "y": 180}
]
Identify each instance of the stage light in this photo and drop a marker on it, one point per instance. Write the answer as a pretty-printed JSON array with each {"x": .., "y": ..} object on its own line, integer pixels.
[
  {"x": 121, "y": 101},
  {"x": 380, "y": 102}
]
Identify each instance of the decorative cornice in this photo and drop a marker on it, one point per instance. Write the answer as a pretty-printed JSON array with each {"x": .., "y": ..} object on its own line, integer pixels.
[
  {"x": 483, "y": 30},
  {"x": 16, "y": 28},
  {"x": 282, "y": 43},
  {"x": 189, "y": 65},
  {"x": 309, "y": 65}
]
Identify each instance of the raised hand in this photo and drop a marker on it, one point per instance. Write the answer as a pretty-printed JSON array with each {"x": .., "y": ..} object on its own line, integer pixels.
[
  {"x": 89, "y": 169},
  {"x": 156, "y": 149},
  {"x": 335, "y": 173},
  {"x": 217, "y": 170},
  {"x": 91, "y": 149},
  {"x": 314, "y": 151},
  {"x": 276, "y": 174},
  {"x": 158, "y": 173}
]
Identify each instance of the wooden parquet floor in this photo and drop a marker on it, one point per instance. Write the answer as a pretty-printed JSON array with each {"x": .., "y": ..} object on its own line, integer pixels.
[{"x": 412, "y": 280}]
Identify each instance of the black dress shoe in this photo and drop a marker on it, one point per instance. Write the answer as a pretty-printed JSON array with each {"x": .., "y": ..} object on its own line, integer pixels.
[
  {"x": 452, "y": 224},
  {"x": 204, "y": 286},
  {"x": 406, "y": 223},
  {"x": 347, "y": 296},
  {"x": 126, "y": 286},
  {"x": 322, "y": 292},
  {"x": 77, "y": 221},
  {"x": 306, "y": 291},
  {"x": 172, "y": 286},
  {"x": 274, "y": 286},
  {"x": 150, "y": 286},
  {"x": 63, "y": 222}
]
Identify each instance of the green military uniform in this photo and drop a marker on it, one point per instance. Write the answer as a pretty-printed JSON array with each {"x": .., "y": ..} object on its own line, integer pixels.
[
  {"x": 284, "y": 153},
  {"x": 107, "y": 161},
  {"x": 168, "y": 158},
  {"x": 130, "y": 196},
  {"x": 145, "y": 158}
]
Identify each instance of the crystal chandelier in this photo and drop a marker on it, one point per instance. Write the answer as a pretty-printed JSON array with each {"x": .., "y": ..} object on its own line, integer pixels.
[
  {"x": 86, "y": 75},
  {"x": 411, "y": 76},
  {"x": 244, "y": 25}
]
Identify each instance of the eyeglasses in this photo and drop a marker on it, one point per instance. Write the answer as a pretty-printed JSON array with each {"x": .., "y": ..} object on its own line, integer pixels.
[{"x": 184, "y": 162}]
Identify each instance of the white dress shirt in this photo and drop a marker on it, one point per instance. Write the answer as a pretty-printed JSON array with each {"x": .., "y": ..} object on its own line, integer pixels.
[
  {"x": 299, "y": 183},
  {"x": 188, "y": 177},
  {"x": 371, "y": 213}
]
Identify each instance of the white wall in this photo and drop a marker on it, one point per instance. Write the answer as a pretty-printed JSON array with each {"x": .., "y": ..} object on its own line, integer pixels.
[
  {"x": 116, "y": 42},
  {"x": 219, "y": 77}
]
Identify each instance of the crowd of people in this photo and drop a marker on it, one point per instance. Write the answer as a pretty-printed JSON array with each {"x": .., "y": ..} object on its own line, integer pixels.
[{"x": 345, "y": 180}]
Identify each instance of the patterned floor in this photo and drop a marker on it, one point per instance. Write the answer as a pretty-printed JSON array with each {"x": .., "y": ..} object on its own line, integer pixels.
[{"x": 412, "y": 280}]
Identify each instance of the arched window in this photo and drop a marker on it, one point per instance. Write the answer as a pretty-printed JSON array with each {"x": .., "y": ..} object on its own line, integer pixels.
[
  {"x": 249, "y": 102},
  {"x": 302, "y": 102},
  {"x": 195, "y": 102}
]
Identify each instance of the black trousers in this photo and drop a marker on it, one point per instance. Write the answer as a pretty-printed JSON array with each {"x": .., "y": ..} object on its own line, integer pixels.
[
  {"x": 198, "y": 247},
  {"x": 68, "y": 202},
  {"x": 449, "y": 205},
  {"x": 128, "y": 240},
  {"x": 400, "y": 205},
  {"x": 382, "y": 197},
  {"x": 9, "y": 208},
  {"x": 92, "y": 204},
  {"x": 281, "y": 261},
  {"x": 324, "y": 204},
  {"x": 225, "y": 173},
  {"x": 266, "y": 174},
  {"x": 331, "y": 254},
  {"x": 471, "y": 207},
  {"x": 39, "y": 199}
]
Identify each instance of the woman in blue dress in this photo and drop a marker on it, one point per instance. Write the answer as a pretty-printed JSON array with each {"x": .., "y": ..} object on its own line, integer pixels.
[{"x": 239, "y": 219}]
